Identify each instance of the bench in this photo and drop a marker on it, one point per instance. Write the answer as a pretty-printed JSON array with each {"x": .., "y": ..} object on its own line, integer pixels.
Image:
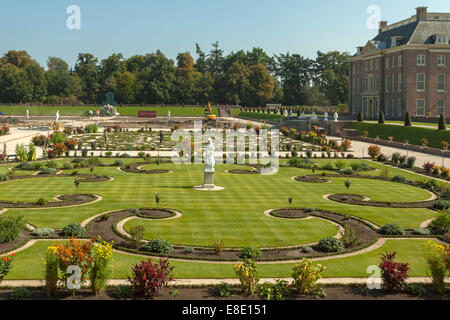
[{"x": 147, "y": 114}]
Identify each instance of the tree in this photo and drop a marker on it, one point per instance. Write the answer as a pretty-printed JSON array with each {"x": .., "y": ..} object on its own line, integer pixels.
[
  {"x": 331, "y": 75},
  {"x": 15, "y": 85},
  {"x": 442, "y": 126},
  {"x": 261, "y": 85},
  {"x": 156, "y": 83},
  {"x": 348, "y": 184},
  {"x": 200, "y": 63},
  {"x": 360, "y": 116},
  {"x": 381, "y": 118},
  {"x": 87, "y": 70},
  {"x": 157, "y": 199},
  {"x": 294, "y": 73},
  {"x": 407, "y": 119},
  {"x": 235, "y": 84},
  {"x": 125, "y": 87}
]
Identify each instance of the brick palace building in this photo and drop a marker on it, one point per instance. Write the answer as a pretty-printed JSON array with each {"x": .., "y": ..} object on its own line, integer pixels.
[{"x": 406, "y": 67}]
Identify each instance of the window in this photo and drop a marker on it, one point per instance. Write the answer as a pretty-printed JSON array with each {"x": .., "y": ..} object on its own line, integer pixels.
[
  {"x": 376, "y": 64},
  {"x": 441, "y": 39},
  {"x": 420, "y": 107},
  {"x": 421, "y": 60},
  {"x": 377, "y": 84},
  {"x": 387, "y": 107},
  {"x": 354, "y": 69},
  {"x": 400, "y": 61},
  {"x": 387, "y": 63},
  {"x": 371, "y": 85},
  {"x": 440, "y": 107},
  {"x": 387, "y": 84},
  {"x": 441, "y": 82},
  {"x": 376, "y": 109},
  {"x": 354, "y": 86},
  {"x": 367, "y": 66},
  {"x": 371, "y": 65},
  {"x": 399, "y": 107},
  {"x": 393, "y": 62},
  {"x": 366, "y": 85},
  {"x": 441, "y": 61},
  {"x": 400, "y": 82},
  {"x": 421, "y": 82},
  {"x": 393, "y": 83}
]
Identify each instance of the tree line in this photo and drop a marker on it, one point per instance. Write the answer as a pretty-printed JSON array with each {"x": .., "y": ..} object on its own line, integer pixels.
[{"x": 248, "y": 78}]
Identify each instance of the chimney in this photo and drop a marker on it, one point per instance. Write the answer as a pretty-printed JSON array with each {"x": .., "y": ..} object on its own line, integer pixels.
[
  {"x": 383, "y": 26},
  {"x": 359, "y": 49},
  {"x": 421, "y": 14}
]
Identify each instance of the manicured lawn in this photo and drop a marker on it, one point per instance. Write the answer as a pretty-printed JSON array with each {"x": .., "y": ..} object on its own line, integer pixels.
[
  {"x": 401, "y": 133},
  {"x": 81, "y": 110},
  {"x": 27, "y": 264},
  {"x": 235, "y": 215}
]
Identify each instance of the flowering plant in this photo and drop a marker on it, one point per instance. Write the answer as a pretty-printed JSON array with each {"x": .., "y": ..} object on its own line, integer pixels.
[
  {"x": 101, "y": 270},
  {"x": 5, "y": 265},
  {"x": 394, "y": 274},
  {"x": 247, "y": 273},
  {"x": 306, "y": 275}
]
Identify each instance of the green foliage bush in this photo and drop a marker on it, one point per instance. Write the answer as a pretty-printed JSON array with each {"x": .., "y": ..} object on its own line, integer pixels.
[
  {"x": 10, "y": 227},
  {"x": 274, "y": 291},
  {"x": 392, "y": 229},
  {"x": 250, "y": 253},
  {"x": 3, "y": 177},
  {"x": 160, "y": 246},
  {"x": 123, "y": 292},
  {"x": 441, "y": 204},
  {"x": 20, "y": 293},
  {"x": 223, "y": 290},
  {"x": 422, "y": 231},
  {"x": 48, "y": 171},
  {"x": 399, "y": 178},
  {"x": 118, "y": 163},
  {"x": 42, "y": 232},
  {"x": 330, "y": 244},
  {"x": 442, "y": 222},
  {"x": 73, "y": 230}
]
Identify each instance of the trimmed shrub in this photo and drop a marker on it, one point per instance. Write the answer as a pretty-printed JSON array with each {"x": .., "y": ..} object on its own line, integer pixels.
[
  {"x": 73, "y": 230},
  {"x": 441, "y": 204},
  {"x": 250, "y": 253},
  {"x": 48, "y": 171},
  {"x": 422, "y": 231},
  {"x": 160, "y": 246},
  {"x": 20, "y": 293},
  {"x": 392, "y": 229},
  {"x": 118, "y": 163},
  {"x": 42, "y": 232},
  {"x": 330, "y": 244},
  {"x": 399, "y": 178}
]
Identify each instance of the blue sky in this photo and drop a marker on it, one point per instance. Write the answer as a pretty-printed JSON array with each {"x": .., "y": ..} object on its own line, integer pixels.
[{"x": 141, "y": 26}]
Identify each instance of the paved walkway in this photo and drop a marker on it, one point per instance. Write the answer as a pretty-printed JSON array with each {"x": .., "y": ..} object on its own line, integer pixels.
[
  {"x": 213, "y": 282},
  {"x": 360, "y": 149}
]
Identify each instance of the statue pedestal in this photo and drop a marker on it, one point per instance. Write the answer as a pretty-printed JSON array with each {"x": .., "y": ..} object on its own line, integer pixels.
[{"x": 208, "y": 183}]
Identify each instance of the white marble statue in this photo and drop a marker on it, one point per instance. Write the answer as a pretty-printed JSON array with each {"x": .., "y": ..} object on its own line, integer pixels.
[
  {"x": 336, "y": 116},
  {"x": 314, "y": 116},
  {"x": 28, "y": 115},
  {"x": 168, "y": 115},
  {"x": 57, "y": 116},
  {"x": 325, "y": 115},
  {"x": 286, "y": 113},
  {"x": 209, "y": 156},
  {"x": 303, "y": 116}
]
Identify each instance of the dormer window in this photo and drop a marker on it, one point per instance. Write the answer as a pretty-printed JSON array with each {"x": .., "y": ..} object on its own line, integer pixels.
[
  {"x": 441, "y": 39},
  {"x": 396, "y": 41}
]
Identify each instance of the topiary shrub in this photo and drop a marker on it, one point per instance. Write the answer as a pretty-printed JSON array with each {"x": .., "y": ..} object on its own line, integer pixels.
[
  {"x": 306, "y": 249},
  {"x": 441, "y": 204},
  {"x": 3, "y": 177},
  {"x": 422, "y": 231},
  {"x": 25, "y": 166},
  {"x": 250, "y": 253},
  {"x": 73, "y": 230},
  {"x": 392, "y": 229},
  {"x": 330, "y": 244},
  {"x": 118, "y": 163},
  {"x": 399, "y": 178},
  {"x": 48, "y": 171},
  {"x": 160, "y": 246},
  {"x": 78, "y": 160},
  {"x": 42, "y": 232}
]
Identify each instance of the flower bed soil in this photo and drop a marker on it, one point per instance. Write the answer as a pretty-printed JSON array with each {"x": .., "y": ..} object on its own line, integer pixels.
[
  {"x": 290, "y": 213},
  {"x": 356, "y": 200},
  {"x": 209, "y": 293},
  {"x": 133, "y": 168},
  {"x": 21, "y": 239},
  {"x": 153, "y": 213},
  {"x": 312, "y": 179},
  {"x": 63, "y": 201},
  {"x": 365, "y": 233}
]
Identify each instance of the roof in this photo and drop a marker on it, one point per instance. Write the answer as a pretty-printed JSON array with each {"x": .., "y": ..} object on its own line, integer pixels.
[{"x": 383, "y": 40}]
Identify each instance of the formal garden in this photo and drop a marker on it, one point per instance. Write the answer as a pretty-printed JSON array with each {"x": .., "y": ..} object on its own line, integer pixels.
[{"x": 315, "y": 218}]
